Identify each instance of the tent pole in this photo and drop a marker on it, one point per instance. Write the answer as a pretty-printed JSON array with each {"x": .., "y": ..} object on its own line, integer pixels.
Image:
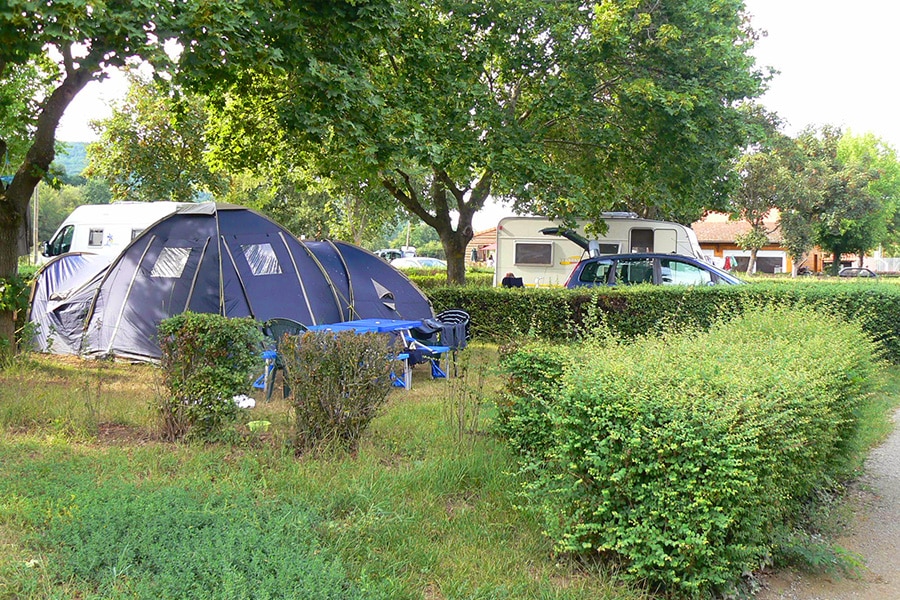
[
  {"x": 187, "y": 304},
  {"x": 240, "y": 280},
  {"x": 134, "y": 275},
  {"x": 334, "y": 293},
  {"x": 312, "y": 315}
]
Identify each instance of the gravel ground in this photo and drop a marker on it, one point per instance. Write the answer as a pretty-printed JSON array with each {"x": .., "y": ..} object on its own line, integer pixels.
[{"x": 874, "y": 534}]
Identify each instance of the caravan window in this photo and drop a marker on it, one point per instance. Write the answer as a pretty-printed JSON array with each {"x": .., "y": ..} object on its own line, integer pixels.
[
  {"x": 641, "y": 240},
  {"x": 262, "y": 259},
  {"x": 171, "y": 262},
  {"x": 534, "y": 254},
  {"x": 95, "y": 238}
]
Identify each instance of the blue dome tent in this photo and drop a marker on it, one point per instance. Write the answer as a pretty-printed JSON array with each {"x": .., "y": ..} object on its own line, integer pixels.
[{"x": 212, "y": 258}]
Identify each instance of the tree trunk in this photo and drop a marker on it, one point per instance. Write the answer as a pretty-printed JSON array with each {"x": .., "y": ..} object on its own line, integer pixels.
[
  {"x": 836, "y": 261},
  {"x": 454, "y": 244},
  {"x": 14, "y": 199},
  {"x": 8, "y": 268},
  {"x": 751, "y": 266}
]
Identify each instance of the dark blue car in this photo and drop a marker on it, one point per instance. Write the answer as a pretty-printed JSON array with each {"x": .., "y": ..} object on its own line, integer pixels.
[{"x": 660, "y": 269}]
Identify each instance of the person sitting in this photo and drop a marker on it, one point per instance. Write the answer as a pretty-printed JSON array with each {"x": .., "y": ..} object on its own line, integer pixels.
[{"x": 510, "y": 281}]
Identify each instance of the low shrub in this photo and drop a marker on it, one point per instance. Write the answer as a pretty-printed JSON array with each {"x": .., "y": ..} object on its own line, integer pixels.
[
  {"x": 560, "y": 314},
  {"x": 206, "y": 361},
  {"x": 686, "y": 457},
  {"x": 339, "y": 381},
  {"x": 128, "y": 541}
]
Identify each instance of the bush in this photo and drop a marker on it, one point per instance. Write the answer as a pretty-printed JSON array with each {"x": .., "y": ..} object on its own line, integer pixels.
[
  {"x": 559, "y": 314},
  {"x": 339, "y": 381},
  {"x": 685, "y": 457},
  {"x": 206, "y": 361},
  {"x": 428, "y": 279}
]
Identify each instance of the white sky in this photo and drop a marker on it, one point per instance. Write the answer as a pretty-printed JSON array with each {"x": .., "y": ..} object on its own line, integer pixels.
[{"x": 834, "y": 60}]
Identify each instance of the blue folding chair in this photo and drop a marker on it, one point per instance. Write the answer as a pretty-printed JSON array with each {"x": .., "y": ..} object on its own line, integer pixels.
[{"x": 275, "y": 329}]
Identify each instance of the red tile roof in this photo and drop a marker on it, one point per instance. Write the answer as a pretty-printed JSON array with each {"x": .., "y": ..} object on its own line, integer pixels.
[{"x": 727, "y": 231}]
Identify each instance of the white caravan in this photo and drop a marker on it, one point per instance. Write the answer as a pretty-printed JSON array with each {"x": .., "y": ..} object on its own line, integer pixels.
[
  {"x": 105, "y": 228},
  {"x": 534, "y": 248}
]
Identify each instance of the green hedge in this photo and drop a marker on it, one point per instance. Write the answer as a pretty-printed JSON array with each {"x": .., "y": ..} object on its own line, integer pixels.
[
  {"x": 683, "y": 457},
  {"x": 557, "y": 313},
  {"x": 428, "y": 279}
]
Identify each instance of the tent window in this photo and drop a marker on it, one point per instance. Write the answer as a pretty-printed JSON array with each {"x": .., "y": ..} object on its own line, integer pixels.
[
  {"x": 171, "y": 262},
  {"x": 95, "y": 237},
  {"x": 262, "y": 259}
]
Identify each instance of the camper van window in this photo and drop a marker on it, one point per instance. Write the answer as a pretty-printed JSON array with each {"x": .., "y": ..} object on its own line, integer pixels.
[
  {"x": 62, "y": 242},
  {"x": 262, "y": 259},
  {"x": 608, "y": 248},
  {"x": 95, "y": 238},
  {"x": 534, "y": 254},
  {"x": 641, "y": 240},
  {"x": 171, "y": 262}
]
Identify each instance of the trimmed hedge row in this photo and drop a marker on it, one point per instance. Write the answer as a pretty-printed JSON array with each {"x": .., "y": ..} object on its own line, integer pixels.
[
  {"x": 684, "y": 457},
  {"x": 557, "y": 313},
  {"x": 428, "y": 279}
]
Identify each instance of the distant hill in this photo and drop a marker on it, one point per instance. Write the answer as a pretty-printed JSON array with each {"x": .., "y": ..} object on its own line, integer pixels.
[{"x": 73, "y": 159}]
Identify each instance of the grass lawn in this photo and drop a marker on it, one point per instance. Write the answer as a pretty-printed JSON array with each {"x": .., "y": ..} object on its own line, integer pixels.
[{"x": 93, "y": 505}]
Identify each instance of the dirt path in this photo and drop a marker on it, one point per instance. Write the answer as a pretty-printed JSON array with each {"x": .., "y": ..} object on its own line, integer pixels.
[{"x": 874, "y": 534}]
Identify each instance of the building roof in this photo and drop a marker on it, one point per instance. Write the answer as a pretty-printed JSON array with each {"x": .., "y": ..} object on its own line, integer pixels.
[{"x": 716, "y": 230}]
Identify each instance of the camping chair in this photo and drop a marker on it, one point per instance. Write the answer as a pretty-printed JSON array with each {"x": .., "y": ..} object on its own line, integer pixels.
[
  {"x": 420, "y": 352},
  {"x": 448, "y": 332},
  {"x": 275, "y": 329},
  {"x": 454, "y": 332}
]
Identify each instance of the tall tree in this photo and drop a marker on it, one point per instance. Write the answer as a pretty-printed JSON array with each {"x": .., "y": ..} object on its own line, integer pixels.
[
  {"x": 566, "y": 108},
  {"x": 766, "y": 180},
  {"x": 870, "y": 152},
  {"x": 843, "y": 213},
  {"x": 217, "y": 38},
  {"x": 153, "y": 147}
]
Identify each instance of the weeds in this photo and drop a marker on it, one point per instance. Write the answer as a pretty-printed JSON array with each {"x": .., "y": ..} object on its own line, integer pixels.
[
  {"x": 409, "y": 515},
  {"x": 462, "y": 403}
]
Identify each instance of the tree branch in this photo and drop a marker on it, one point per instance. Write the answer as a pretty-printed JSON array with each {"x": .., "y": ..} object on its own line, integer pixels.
[{"x": 409, "y": 200}]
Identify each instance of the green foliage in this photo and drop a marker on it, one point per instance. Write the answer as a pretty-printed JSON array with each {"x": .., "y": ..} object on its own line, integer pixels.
[
  {"x": 206, "y": 361},
  {"x": 558, "y": 314},
  {"x": 845, "y": 216},
  {"x": 339, "y": 382},
  {"x": 14, "y": 293},
  {"x": 152, "y": 147},
  {"x": 428, "y": 279},
  {"x": 634, "y": 107},
  {"x": 134, "y": 540},
  {"x": 534, "y": 381},
  {"x": 683, "y": 457}
]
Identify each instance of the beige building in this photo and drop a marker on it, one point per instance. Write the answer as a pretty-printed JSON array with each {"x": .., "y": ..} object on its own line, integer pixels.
[
  {"x": 482, "y": 245},
  {"x": 717, "y": 235}
]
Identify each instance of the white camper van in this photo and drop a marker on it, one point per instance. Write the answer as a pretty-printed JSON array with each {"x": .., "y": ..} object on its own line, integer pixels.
[
  {"x": 536, "y": 250},
  {"x": 105, "y": 228}
]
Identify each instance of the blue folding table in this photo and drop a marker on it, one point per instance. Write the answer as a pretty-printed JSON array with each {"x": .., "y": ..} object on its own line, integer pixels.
[{"x": 401, "y": 327}]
